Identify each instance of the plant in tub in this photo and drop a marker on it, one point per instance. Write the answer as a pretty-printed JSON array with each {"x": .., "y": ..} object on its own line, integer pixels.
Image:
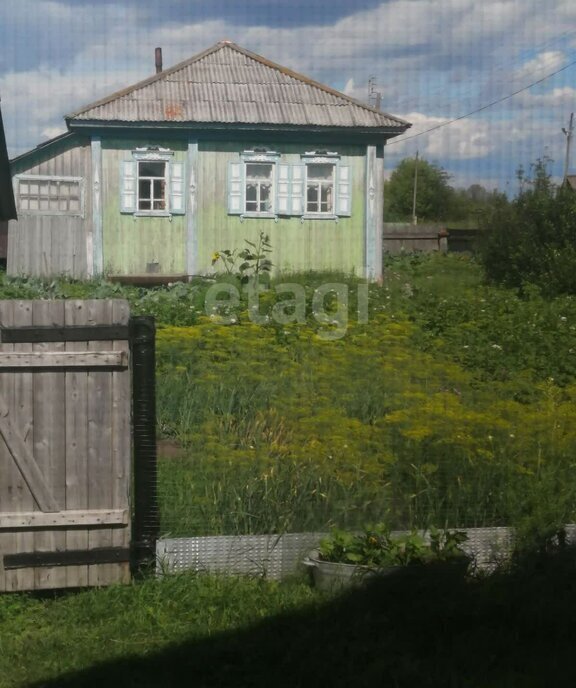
[{"x": 344, "y": 557}]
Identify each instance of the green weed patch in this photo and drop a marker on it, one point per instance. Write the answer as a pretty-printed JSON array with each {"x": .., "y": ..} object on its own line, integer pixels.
[{"x": 453, "y": 404}]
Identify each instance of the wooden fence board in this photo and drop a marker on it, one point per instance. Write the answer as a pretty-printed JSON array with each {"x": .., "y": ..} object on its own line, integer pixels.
[
  {"x": 49, "y": 438},
  {"x": 121, "y": 435},
  {"x": 63, "y": 519},
  {"x": 75, "y": 359},
  {"x": 99, "y": 445},
  {"x": 24, "y": 403},
  {"x": 11, "y": 483},
  {"x": 65, "y": 445},
  {"x": 76, "y": 444},
  {"x": 23, "y": 458}
]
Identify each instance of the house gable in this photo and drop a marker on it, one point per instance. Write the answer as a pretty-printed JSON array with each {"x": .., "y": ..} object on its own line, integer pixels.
[{"x": 228, "y": 85}]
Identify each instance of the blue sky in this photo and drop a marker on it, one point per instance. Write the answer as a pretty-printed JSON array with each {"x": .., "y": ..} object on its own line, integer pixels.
[{"x": 432, "y": 60}]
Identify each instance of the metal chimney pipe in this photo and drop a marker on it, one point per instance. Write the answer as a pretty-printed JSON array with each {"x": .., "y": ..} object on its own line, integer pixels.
[{"x": 158, "y": 58}]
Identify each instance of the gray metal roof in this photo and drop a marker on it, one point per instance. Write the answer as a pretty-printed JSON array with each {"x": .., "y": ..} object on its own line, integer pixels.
[{"x": 227, "y": 84}]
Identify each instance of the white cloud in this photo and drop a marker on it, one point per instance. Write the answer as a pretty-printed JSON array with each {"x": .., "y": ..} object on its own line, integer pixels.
[
  {"x": 350, "y": 88},
  {"x": 462, "y": 140},
  {"x": 541, "y": 65},
  {"x": 433, "y": 60},
  {"x": 550, "y": 103},
  {"x": 51, "y": 132},
  {"x": 34, "y": 103}
]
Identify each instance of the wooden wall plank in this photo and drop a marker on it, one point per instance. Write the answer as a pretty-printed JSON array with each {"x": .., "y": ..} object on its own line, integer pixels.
[
  {"x": 191, "y": 228},
  {"x": 54, "y": 244},
  {"x": 130, "y": 243},
  {"x": 370, "y": 250},
  {"x": 96, "y": 243}
]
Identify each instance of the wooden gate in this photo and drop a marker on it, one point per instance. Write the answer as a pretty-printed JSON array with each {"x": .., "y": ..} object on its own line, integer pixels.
[{"x": 65, "y": 443}]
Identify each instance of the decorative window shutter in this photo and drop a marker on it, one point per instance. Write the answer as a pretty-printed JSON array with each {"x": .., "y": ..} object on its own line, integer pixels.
[
  {"x": 235, "y": 188},
  {"x": 177, "y": 197},
  {"x": 283, "y": 199},
  {"x": 297, "y": 190},
  {"x": 343, "y": 190},
  {"x": 128, "y": 172}
]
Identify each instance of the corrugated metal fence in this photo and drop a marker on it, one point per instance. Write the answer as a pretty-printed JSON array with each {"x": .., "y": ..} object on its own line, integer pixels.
[{"x": 278, "y": 556}]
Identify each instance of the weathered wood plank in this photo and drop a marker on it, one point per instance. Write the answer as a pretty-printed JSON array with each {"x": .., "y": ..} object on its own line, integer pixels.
[
  {"x": 121, "y": 437},
  {"x": 64, "y": 519},
  {"x": 100, "y": 444},
  {"x": 104, "y": 556},
  {"x": 49, "y": 437},
  {"x": 69, "y": 359},
  {"x": 10, "y": 475},
  {"x": 76, "y": 314},
  {"x": 27, "y": 465},
  {"x": 69, "y": 333},
  {"x": 97, "y": 229},
  {"x": 23, "y": 406},
  {"x": 191, "y": 223}
]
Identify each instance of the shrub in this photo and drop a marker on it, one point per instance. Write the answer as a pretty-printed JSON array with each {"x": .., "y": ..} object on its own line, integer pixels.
[{"x": 533, "y": 239}]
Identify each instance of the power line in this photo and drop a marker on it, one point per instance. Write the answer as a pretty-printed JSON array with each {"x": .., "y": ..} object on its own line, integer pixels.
[
  {"x": 501, "y": 68},
  {"x": 484, "y": 107}
]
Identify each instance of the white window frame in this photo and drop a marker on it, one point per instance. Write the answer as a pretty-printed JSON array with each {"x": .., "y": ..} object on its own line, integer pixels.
[
  {"x": 164, "y": 155},
  {"x": 259, "y": 182},
  {"x": 249, "y": 157},
  {"x": 39, "y": 178},
  {"x": 324, "y": 158},
  {"x": 151, "y": 199}
]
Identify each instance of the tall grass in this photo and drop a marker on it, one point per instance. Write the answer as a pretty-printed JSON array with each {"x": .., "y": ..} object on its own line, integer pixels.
[{"x": 206, "y": 497}]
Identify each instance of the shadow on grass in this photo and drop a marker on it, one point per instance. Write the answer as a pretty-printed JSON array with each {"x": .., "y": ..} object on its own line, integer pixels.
[{"x": 424, "y": 629}]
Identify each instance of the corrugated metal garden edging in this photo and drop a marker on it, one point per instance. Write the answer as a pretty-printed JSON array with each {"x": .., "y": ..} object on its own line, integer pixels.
[
  {"x": 278, "y": 556},
  {"x": 272, "y": 556}
]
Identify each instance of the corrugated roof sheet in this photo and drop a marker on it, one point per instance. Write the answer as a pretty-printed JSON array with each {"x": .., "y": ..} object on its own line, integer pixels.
[{"x": 228, "y": 84}]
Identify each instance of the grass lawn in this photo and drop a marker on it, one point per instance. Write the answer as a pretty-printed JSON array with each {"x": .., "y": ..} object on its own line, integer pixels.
[
  {"x": 513, "y": 630},
  {"x": 452, "y": 405}
]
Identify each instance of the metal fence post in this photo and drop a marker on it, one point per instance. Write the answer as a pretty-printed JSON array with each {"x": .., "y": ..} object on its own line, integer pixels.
[{"x": 146, "y": 522}]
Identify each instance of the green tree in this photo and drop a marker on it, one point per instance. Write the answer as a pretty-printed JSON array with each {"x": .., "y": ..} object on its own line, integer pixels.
[
  {"x": 472, "y": 205},
  {"x": 533, "y": 239},
  {"x": 434, "y": 198}
]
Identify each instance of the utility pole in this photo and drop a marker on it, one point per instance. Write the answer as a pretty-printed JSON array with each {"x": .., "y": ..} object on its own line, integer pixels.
[
  {"x": 568, "y": 134},
  {"x": 414, "y": 218}
]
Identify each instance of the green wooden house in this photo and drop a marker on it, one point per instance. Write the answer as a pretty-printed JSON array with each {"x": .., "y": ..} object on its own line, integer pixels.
[{"x": 149, "y": 182}]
